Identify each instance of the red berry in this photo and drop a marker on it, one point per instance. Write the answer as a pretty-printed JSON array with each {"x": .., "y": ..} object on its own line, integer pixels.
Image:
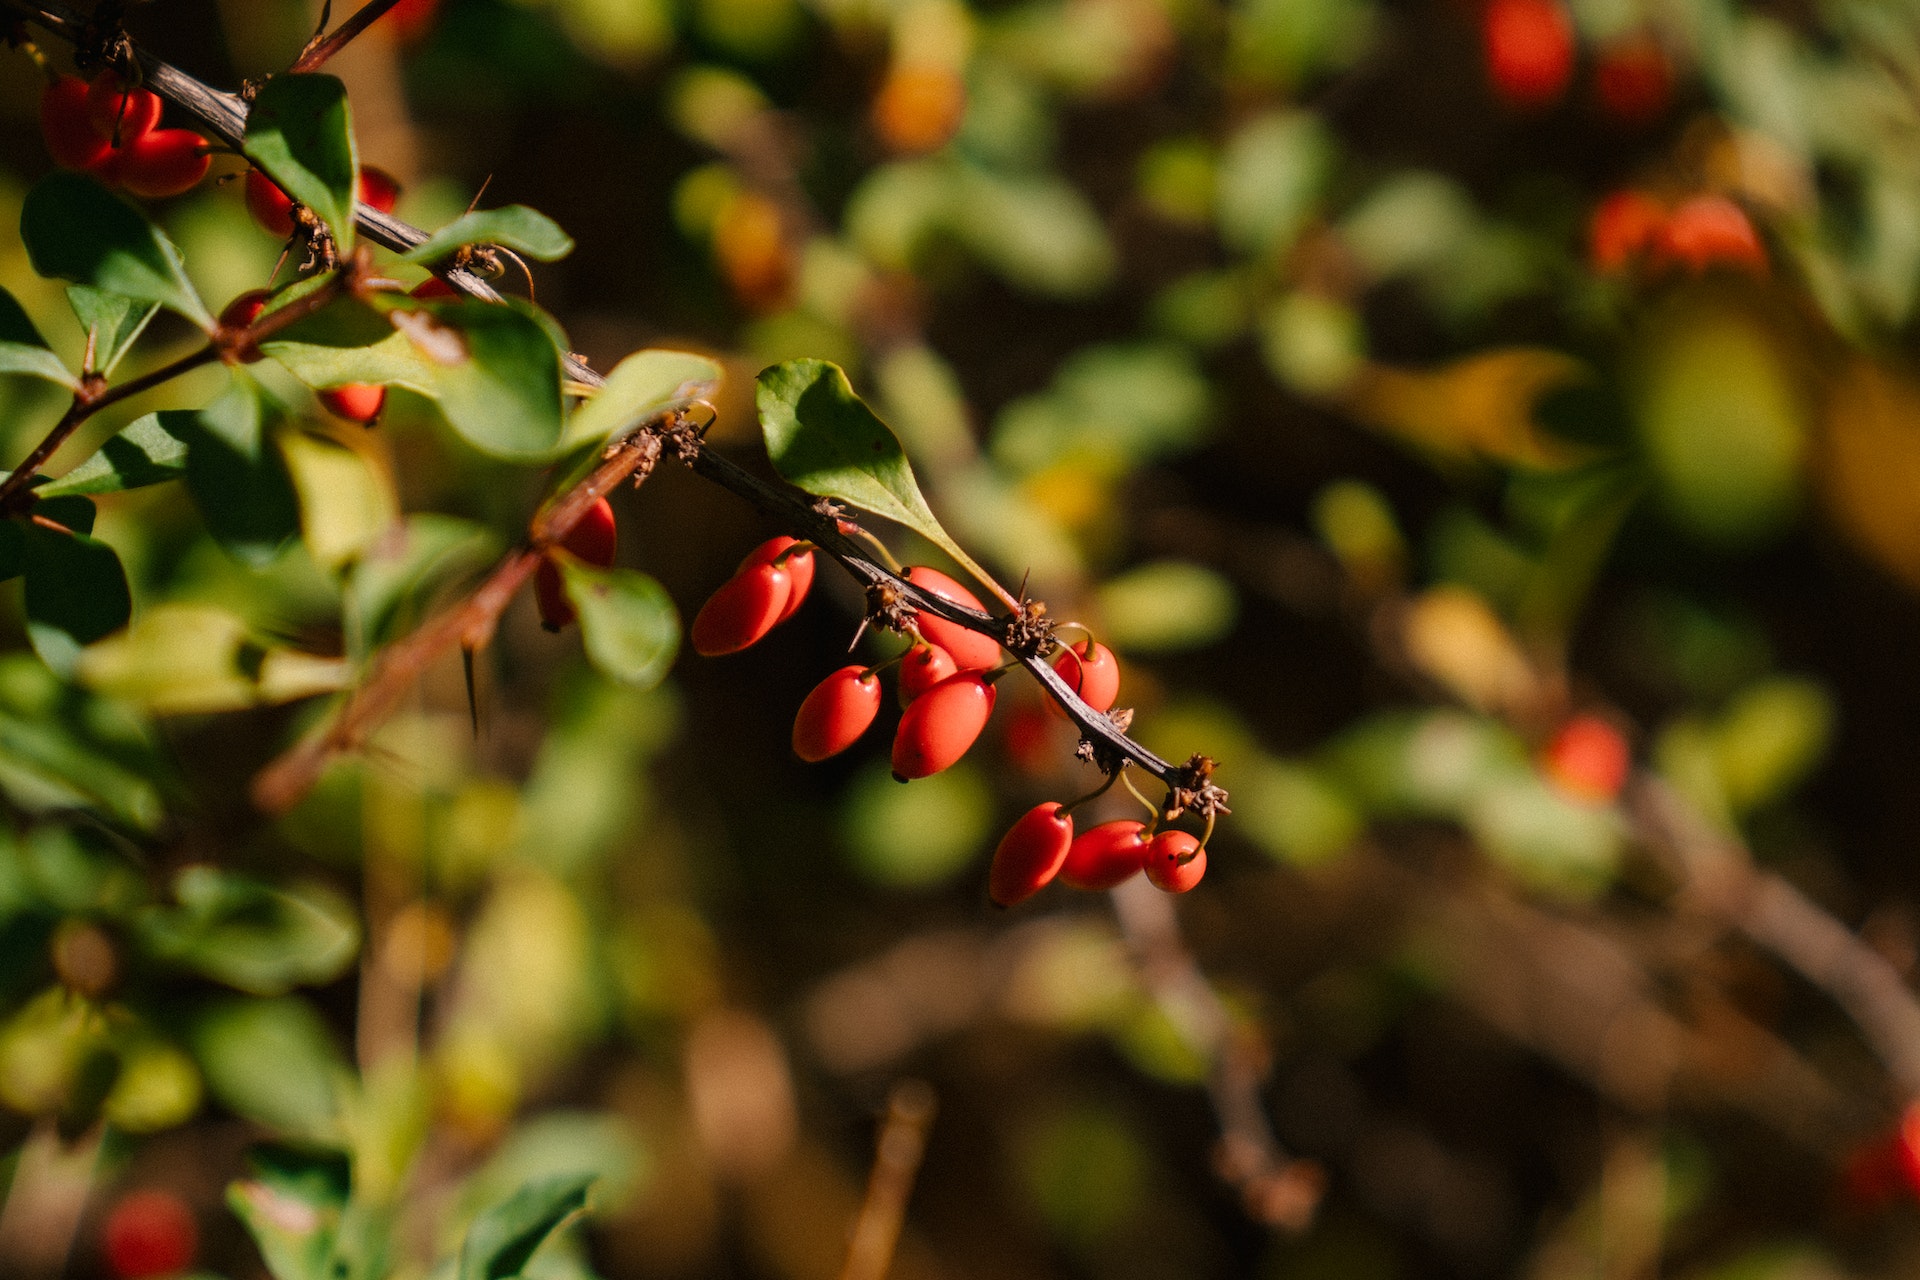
[
  {"x": 271, "y": 207},
  {"x": 744, "y": 609},
  {"x": 359, "y": 402},
  {"x": 165, "y": 162},
  {"x": 71, "y": 140},
  {"x": 1092, "y": 671},
  {"x": 971, "y": 651},
  {"x": 925, "y": 666},
  {"x": 116, "y": 112},
  {"x": 1105, "y": 856},
  {"x": 1710, "y": 230},
  {"x": 1030, "y": 854},
  {"x": 1906, "y": 1147},
  {"x": 150, "y": 1233},
  {"x": 798, "y": 564},
  {"x": 378, "y": 189},
  {"x": 411, "y": 19},
  {"x": 1175, "y": 861},
  {"x": 1529, "y": 50},
  {"x": 243, "y": 311},
  {"x": 836, "y": 713},
  {"x": 433, "y": 289},
  {"x": 593, "y": 539},
  {"x": 940, "y": 725},
  {"x": 1634, "y": 80},
  {"x": 1624, "y": 225},
  {"x": 1588, "y": 758},
  {"x": 1876, "y": 1172}
]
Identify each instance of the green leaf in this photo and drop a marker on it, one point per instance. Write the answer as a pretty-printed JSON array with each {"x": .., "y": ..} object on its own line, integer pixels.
[
  {"x": 76, "y": 230},
  {"x": 292, "y": 1206},
  {"x": 23, "y": 350},
  {"x": 76, "y": 594},
  {"x": 527, "y": 232},
  {"x": 1167, "y": 605},
  {"x": 503, "y": 1238},
  {"x": 348, "y": 341},
  {"x": 297, "y": 1096},
  {"x": 13, "y": 549},
  {"x": 627, "y": 622},
  {"x": 495, "y": 372},
  {"x": 300, "y": 132},
  {"x": 252, "y": 936},
  {"x": 825, "y": 439},
  {"x": 236, "y": 476},
  {"x": 428, "y": 551},
  {"x": 143, "y": 453},
  {"x": 638, "y": 387},
  {"x": 113, "y": 320}
]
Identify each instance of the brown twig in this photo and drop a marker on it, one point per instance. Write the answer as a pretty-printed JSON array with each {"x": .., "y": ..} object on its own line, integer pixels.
[
  {"x": 896, "y": 1163},
  {"x": 320, "y": 48}
]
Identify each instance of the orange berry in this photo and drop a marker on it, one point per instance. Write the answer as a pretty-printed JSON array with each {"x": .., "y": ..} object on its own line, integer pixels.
[
  {"x": 1175, "y": 861},
  {"x": 1589, "y": 759},
  {"x": 1030, "y": 854},
  {"x": 940, "y": 724},
  {"x": 919, "y": 108},
  {"x": 1529, "y": 51},
  {"x": 836, "y": 713},
  {"x": 1109, "y": 854},
  {"x": 359, "y": 402},
  {"x": 971, "y": 651}
]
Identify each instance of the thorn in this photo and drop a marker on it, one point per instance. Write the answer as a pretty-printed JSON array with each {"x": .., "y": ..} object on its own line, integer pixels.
[{"x": 473, "y": 700}]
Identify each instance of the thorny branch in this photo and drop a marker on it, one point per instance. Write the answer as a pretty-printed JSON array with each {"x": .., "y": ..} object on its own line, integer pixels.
[
  {"x": 224, "y": 116},
  {"x": 323, "y": 46}
]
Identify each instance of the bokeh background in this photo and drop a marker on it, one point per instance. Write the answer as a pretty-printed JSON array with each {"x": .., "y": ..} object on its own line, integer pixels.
[{"x": 1270, "y": 339}]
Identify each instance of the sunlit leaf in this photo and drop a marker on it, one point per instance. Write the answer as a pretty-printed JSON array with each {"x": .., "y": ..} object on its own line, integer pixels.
[
  {"x": 296, "y": 1097},
  {"x": 503, "y": 1238},
  {"x": 76, "y": 230},
  {"x": 1165, "y": 606},
  {"x": 1479, "y": 406},
  {"x": 426, "y": 552},
  {"x": 300, "y": 134},
  {"x": 627, "y": 622},
  {"x": 113, "y": 321},
  {"x": 527, "y": 232},
  {"x": 23, "y": 350},
  {"x": 346, "y": 503},
  {"x": 639, "y": 387},
  {"x": 143, "y": 453}
]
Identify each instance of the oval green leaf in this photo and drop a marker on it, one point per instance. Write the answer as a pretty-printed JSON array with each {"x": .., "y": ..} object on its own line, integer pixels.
[
  {"x": 300, "y": 132},
  {"x": 74, "y": 229},
  {"x": 76, "y": 594},
  {"x": 627, "y": 622},
  {"x": 502, "y": 1239},
  {"x": 640, "y": 386},
  {"x": 23, "y": 350},
  {"x": 527, "y": 232},
  {"x": 144, "y": 453}
]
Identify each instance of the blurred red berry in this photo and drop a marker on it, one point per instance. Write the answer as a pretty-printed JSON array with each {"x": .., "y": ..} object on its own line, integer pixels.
[
  {"x": 116, "y": 112},
  {"x": 1529, "y": 50},
  {"x": 412, "y": 19},
  {"x": 595, "y": 540},
  {"x": 150, "y": 1233},
  {"x": 1175, "y": 861},
  {"x": 836, "y": 713},
  {"x": 71, "y": 139},
  {"x": 1589, "y": 759},
  {"x": 378, "y": 188},
  {"x": 971, "y": 651},
  {"x": 243, "y": 311},
  {"x": 359, "y": 402},
  {"x": 1633, "y": 80},
  {"x": 1030, "y": 854},
  {"x": 433, "y": 289},
  {"x": 1105, "y": 856},
  {"x": 1624, "y": 225},
  {"x": 1708, "y": 231},
  {"x": 940, "y": 725}
]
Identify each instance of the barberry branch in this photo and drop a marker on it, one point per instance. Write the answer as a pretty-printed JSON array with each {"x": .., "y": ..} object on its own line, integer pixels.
[{"x": 322, "y": 47}]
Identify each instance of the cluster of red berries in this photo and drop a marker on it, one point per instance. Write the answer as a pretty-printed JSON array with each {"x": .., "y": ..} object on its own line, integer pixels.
[
  {"x": 109, "y": 129},
  {"x": 1530, "y": 50},
  {"x": 947, "y": 681},
  {"x": 1702, "y": 231}
]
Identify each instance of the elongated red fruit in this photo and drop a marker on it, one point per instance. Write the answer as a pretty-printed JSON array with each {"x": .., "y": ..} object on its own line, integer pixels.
[
  {"x": 1175, "y": 861},
  {"x": 1030, "y": 854},
  {"x": 359, "y": 402},
  {"x": 1106, "y": 855},
  {"x": 434, "y": 288},
  {"x": 378, "y": 188},
  {"x": 149, "y": 1233},
  {"x": 744, "y": 609},
  {"x": 271, "y": 207},
  {"x": 1092, "y": 671},
  {"x": 940, "y": 725},
  {"x": 971, "y": 651},
  {"x": 1708, "y": 231},
  {"x": 925, "y": 666},
  {"x": 1624, "y": 225},
  {"x": 115, "y": 111},
  {"x": 595, "y": 540},
  {"x": 836, "y": 713},
  {"x": 162, "y": 163},
  {"x": 71, "y": 140},
  {"x": 798, "y": 564},
  {"x": 1529, "y": 47}
]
